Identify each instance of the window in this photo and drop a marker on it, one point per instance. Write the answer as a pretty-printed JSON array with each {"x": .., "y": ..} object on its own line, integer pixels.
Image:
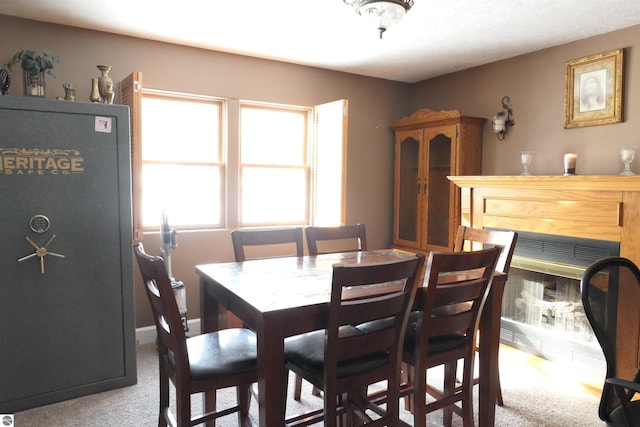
[
  {"x": 216, "y": 163},
  {"x": 182, "y": 160},
  {"x": 274, "y": 165}
]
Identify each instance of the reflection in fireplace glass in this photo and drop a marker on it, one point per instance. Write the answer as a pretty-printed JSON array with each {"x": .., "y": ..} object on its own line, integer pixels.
[{"x": 549, "y": 302}]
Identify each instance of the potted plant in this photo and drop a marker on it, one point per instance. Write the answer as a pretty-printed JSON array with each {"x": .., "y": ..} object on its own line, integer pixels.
[{"x": 34, "y": 66}]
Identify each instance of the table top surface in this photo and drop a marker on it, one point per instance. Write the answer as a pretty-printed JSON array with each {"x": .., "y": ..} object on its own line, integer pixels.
[{"x": 300, "y": 281}]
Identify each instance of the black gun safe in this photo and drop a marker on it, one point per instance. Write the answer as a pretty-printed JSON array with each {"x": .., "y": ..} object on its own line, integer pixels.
[{"x": 67, "y": 324}]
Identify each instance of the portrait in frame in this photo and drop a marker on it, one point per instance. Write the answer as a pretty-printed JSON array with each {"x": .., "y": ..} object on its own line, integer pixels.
[{"x": 593, "y": 90}]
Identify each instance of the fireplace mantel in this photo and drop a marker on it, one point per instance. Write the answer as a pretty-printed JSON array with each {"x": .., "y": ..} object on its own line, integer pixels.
[
  {"x": 593, "y": 207},
  {"x": 545, "y": 182}
]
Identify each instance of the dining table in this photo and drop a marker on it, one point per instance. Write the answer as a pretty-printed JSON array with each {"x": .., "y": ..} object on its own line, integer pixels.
[{"x": 281, "y": 297}]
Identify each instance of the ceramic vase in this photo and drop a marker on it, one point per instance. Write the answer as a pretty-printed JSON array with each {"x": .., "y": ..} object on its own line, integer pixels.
[
  {"x": 105, "y": 84},
  {"x": 95, "y": 93}
]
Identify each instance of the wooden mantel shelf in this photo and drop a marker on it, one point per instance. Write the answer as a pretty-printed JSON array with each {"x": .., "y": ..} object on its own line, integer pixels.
[{"x": 572, "y": 182}]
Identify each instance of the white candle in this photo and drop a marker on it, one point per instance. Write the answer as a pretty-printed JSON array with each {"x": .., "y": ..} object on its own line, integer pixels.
[
  {"x": 570, "y": 163},
  {"x": 526, "y": 158}
]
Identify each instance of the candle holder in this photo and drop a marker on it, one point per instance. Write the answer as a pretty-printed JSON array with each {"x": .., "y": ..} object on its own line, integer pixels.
[
  {"x": 525, "y": 160},
  {"x": 627, "y": 155}
]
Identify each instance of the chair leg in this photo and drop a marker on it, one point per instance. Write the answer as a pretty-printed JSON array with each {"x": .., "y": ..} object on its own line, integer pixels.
[
  {"x": 448, "y": 389},
  {"x": 297, "y": 389},
  {"x": 183, "y": 407},
  {"x": 316, "y": 391},
  {"x": 419, "y": 396},
  {"x": 407, "y": 378},
  {"x": 243, "y": 394},
  {"x": 467, "y": 393},
  {"x": 499, "y": 400},
  {"x": 164, "y": 397},
  {"x": 209, "y": 401}
]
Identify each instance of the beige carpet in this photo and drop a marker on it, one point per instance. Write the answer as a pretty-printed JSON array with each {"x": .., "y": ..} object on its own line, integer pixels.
[{"x": 536, "y": 393}]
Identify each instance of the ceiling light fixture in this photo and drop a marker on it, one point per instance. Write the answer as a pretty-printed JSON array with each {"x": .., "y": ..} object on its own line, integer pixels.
[{"x": 384, "y": 12}]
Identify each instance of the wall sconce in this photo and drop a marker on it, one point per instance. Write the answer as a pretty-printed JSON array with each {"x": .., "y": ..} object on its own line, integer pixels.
[{"x": 503, "y": 119}]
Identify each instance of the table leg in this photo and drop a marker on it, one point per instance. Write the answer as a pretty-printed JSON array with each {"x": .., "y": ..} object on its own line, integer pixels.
[
  {"x": 209, "y": 322},
  {"x": 489, "y": 345},
  {"x": 272, "y": 380}
]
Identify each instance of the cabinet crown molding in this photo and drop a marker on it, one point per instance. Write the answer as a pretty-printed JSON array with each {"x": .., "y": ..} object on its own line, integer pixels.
[{"x": 427, "y": 116}]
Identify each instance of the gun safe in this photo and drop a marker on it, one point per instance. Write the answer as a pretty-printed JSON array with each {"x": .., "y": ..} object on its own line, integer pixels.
[{"x": 66, "y": 293}]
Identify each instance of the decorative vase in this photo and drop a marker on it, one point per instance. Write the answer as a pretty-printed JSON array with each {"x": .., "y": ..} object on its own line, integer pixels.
[
  {"x": 105, "y": 84},
  {"x": 95, "y": 94},
  {"x": 34, "y": 84}
]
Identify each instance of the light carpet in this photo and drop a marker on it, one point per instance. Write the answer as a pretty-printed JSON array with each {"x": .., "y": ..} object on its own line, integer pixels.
[{"x": 536, "y": 393}]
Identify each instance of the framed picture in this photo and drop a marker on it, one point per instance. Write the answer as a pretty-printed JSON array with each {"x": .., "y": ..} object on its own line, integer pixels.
[{"x": 593, "y": 90}]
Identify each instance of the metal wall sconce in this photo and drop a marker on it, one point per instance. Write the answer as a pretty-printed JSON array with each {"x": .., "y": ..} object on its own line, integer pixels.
[{"x": 504, "y": 119}]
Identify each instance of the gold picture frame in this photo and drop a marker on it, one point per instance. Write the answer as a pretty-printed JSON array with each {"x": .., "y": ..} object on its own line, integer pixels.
[{"x": 593, "y": 90}]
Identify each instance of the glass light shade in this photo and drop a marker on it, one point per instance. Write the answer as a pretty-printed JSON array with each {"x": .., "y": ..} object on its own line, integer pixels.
[
  {"x": 386, "y": 11},
  {"x": 499, "y": 124},
  {"x": 383, "y": 13}
]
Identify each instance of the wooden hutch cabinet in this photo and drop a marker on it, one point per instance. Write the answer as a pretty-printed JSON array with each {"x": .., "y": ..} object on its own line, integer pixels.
[{"x": 429, "y": 146}]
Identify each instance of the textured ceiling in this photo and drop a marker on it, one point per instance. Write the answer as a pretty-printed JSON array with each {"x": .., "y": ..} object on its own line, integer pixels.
[{"x": 436, "y": 37}]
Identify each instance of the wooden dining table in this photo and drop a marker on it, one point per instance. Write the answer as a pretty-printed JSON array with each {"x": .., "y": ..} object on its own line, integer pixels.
[{"x": 281, "y": 297}]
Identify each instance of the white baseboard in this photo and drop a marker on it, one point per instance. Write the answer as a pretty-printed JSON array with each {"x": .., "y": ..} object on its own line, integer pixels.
[{"x": 147, "y": 334}]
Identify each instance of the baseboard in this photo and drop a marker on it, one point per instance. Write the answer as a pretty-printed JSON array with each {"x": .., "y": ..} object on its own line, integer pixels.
[{"x": 147, "y": 334}]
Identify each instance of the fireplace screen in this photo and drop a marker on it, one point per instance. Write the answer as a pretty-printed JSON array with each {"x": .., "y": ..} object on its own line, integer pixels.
[{"x": 542, "y": 310}]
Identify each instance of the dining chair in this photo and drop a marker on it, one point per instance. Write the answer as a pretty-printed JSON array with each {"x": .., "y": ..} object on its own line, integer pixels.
[
  {"x": 281, "y": 240},
  {"x": 610, "y": 289},
  {"x": 202, "y": 363},
  {"x": 443, "y": 329},
  {"x": 468, "y": 238},
  {"x": 345, "y": 238},
  {"x": 342, "y": 360}
]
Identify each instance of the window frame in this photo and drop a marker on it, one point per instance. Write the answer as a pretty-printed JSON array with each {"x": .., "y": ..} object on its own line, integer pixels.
[
  {"x": 307, "y": 165},
  {"x": 221, "y": 154},
  {"x": 131, "y": 88}
]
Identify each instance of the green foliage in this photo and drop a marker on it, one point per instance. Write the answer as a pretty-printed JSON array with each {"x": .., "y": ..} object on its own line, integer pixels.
[{"x": 33, "y": 63}]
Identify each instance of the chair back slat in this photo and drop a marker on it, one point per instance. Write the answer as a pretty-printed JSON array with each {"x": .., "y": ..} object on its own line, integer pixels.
[
  {"x": 157, "y": 284},
  {"x": 346, "y": 238},
  {"x": 454, "y": 308},
  {"x": 468, "y": 238},
  {"x": 395, "y": 284},
  {"x": 288, "y": 237}
]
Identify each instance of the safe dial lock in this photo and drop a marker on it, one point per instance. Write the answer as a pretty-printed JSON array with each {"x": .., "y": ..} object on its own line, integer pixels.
[
  {"x": 39, "y": 224},
  {"x": 41, "y": 251}
]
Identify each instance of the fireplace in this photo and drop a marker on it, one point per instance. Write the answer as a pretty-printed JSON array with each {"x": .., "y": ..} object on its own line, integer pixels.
[
  {"x": 542, "y": 311},
  {"x": 601, "y": 208}
]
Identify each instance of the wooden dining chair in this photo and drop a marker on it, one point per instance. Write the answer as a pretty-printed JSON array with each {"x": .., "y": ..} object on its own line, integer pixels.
[
  {"x": 203, "y": 363},
  {"x": 281, "y": 241},
  {"x": 342, "y": 360},
  {"x": 443, "y": 331},
  {"x": 468, "y": 238},
  {"x": 345, "y": 238}
]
